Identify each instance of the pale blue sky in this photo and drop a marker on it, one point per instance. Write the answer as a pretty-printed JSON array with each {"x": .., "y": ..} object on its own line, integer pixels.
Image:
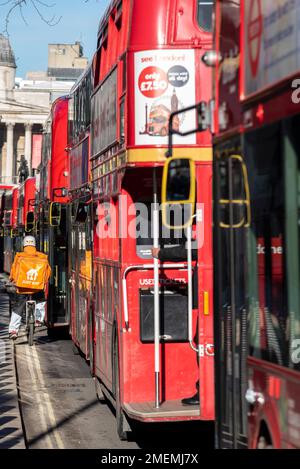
[{"x": 79, "y": 22}]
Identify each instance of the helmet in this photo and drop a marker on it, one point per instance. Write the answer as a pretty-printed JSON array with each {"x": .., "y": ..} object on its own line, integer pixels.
[{"x": 29, "y": 241}]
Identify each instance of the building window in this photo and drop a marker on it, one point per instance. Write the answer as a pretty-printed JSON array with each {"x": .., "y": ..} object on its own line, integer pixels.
[{"x": 205, "y": 14}]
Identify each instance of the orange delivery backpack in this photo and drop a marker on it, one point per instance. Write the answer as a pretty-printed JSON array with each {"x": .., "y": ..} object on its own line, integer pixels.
[{"x": 31, "y": 274}]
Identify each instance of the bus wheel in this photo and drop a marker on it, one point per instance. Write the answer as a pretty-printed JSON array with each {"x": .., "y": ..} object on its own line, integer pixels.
[
  {"x": 58, "y": 333},
  {"x": 99, "y": 393},
  {"x": 122, "y": 424},
  {"x": 91, "y": 360},
  {"x": 75, "y": 349}
]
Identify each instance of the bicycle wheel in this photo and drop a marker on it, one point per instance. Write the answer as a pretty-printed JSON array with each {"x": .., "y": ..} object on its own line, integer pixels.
[{"x": 30, "y": 323}]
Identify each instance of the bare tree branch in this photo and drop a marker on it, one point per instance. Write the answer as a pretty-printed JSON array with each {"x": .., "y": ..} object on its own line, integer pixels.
[{"x": 38, "y": 6}]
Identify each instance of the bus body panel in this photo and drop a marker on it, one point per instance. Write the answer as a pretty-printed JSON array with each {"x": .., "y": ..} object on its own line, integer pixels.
[
  {"x": 124, "y": 149},
  {"x": 9, "y": 225},
  {"x": 80, "y": 216},
  {"x": 256, "y": 254},
  {"x": 54, "y": 185}
]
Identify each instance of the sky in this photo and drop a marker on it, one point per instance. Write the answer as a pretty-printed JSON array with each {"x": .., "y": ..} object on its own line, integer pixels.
[{"x": 79, "y": 22}]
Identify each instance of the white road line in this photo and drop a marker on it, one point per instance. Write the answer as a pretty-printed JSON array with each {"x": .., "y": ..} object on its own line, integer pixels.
[
  {"x": 47, "y": 400},
  {"x": 37, "y": 400}
]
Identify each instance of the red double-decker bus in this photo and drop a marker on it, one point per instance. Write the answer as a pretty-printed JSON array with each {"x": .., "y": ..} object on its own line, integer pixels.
[
  {"x": 147, "y": 66},
  {"x": 3, "y": 189},
  {"x": 51, "y": 204},
  {"x": 256, "y": 224},
  {"x": 26, "y": 207},
  {"x": 79, "y": 215},
  {"x": 9, "y": 226}
]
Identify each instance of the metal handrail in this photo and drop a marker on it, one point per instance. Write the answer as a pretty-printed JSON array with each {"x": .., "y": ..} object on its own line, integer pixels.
[{"x": 142, "y": 267}]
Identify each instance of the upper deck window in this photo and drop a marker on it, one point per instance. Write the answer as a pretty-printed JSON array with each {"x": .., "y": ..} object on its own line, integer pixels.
[
  {"x": 205, "y": 14},
  {"x": 118, "y": 16}
]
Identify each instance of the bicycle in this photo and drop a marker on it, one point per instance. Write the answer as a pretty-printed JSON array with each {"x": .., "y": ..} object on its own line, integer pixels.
[{"x": 30, "y": 319}]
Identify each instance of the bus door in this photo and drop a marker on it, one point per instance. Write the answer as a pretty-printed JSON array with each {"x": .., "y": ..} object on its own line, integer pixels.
[
  {"x": 80, "y": 273},
  {"x": 231, "y": 220},
  {"x": 73, "y": 269},
  {"x": 58, "y": 259},
  {"x": 84, "y": 273}
]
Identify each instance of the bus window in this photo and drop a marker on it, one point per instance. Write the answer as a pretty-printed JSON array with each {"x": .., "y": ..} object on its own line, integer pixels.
[
  {"x": 291, "y": 162},
  {"x": 204, "y": 14},
  {"x": 144, "y": 229},
  {"x": 266, "y": 247},
  {"x": 81, "y": 212}
]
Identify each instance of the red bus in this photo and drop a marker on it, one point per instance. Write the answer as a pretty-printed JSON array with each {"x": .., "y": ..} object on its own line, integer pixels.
[
  {"x": 256, "y": 224},
  {"x": 3, "y": 189},
  {"x": 79, "y": 215},
  {"x": 26, "y": 207},
  {"x": 25, "y": 223},
  {"x": 52, "y": 210},
  {"x": 9, "y": 225},
  {"x": 149, "y": 65}
]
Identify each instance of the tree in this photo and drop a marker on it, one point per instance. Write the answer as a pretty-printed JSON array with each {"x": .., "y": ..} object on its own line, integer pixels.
[
  {"x": 38, "y": 5},
  {"x": 43, "y": 8}
]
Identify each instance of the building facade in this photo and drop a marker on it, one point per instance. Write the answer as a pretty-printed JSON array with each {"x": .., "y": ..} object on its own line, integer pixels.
[
  {"x": 24, "y": 107},
  {"x": 66, "y": 61}
]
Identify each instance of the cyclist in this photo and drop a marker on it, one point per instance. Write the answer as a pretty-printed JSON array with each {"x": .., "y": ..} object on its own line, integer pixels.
[{"x": 19, "y": 299}]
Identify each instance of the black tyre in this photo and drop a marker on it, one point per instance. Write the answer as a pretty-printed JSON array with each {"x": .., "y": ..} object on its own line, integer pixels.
[
  {"x": 75, "y": 349},
  {"x": 120, "y": 417},
  {"x": 50, "y": 333},
  {"x": 91, "y": 359},
  {"x": 30, "y": 333},
  {"x": 99, "y": 393},
  {"x": 56, "y": 333}
]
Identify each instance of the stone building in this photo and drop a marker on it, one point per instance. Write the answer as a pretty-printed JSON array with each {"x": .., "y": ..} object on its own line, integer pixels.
[
  {"x": 66, "y": 61},
  {"x": 24, "y": 107}
]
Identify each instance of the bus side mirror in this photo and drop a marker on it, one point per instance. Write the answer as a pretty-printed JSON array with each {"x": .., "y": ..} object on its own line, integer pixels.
[
  {"x": 178, "y": 193},
  {"x": 55, "y": 214},
  {"x": 30, "y": 222}
]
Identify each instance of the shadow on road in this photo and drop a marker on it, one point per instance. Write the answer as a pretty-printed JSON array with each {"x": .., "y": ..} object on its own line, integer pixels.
[{"x": 154, "y": 436}]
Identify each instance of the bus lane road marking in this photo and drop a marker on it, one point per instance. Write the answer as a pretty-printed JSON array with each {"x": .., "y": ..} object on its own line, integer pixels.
[
  {"x": 47, "y": 401},
  {"x": 37, "y": 399},
  {"x": 43, "y": 402}
]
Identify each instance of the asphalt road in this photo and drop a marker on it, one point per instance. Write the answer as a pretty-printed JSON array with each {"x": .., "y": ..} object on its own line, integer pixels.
[{"x": 60, "y": 408}]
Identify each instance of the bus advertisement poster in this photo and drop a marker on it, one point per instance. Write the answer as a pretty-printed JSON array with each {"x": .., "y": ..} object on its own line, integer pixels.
[{"x": 164, "y": 83}]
